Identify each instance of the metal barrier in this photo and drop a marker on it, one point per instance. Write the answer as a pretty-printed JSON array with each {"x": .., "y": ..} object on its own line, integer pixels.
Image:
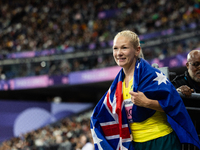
[
  {"x": 194, "y": 96},
  {"x": 192, "y": 105}
]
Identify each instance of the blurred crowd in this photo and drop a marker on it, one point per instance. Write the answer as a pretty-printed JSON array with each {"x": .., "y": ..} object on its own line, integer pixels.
[
  {"x": 65, "y": 66},
  {"x": 71, "y": 133},
  {"x": 35, "y": 25},
  {"x": 38, "y": 25}
]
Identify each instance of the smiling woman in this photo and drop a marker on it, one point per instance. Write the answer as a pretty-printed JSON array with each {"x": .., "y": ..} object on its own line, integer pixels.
[
  {"x": 125, "y": 50},
  {"x": 142, "y": 109}
]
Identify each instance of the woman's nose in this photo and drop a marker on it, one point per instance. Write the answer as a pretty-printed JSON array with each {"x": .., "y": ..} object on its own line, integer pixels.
[{"x": 119, "y": 52}]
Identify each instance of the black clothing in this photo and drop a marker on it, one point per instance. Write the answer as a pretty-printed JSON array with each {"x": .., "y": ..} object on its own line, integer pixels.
[{"x": 185, "y": 79}]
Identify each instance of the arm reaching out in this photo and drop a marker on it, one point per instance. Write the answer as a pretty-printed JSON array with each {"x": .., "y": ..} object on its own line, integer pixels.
[{"x": 139, "y": 99}]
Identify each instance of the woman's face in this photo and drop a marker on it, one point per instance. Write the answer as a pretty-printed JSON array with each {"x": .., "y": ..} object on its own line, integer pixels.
[{"x": 124, "y": 53}]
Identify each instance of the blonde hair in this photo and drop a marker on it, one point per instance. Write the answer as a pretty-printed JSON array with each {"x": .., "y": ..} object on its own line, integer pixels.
[{"x": 134, "y": 39}]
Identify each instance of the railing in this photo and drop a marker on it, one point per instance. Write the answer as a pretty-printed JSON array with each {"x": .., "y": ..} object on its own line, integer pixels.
[
  {"x": 194, "y": 96},
  {"x": 192, "y": 105}
]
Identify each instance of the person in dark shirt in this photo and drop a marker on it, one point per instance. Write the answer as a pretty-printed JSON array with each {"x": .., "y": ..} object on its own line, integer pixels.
[{"x": 189, "y": 82}]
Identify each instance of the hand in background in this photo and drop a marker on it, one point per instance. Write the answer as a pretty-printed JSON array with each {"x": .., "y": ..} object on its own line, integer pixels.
[{"x": 185, "y": 90}]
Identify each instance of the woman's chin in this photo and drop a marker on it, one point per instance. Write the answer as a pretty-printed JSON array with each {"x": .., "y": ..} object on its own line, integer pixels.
[{"x": 120, "y": 64}]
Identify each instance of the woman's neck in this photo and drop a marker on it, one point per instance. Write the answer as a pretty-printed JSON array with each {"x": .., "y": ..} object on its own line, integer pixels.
[
  {"x": 128, "y": 75},
  {"x": 129, "y": 71}
]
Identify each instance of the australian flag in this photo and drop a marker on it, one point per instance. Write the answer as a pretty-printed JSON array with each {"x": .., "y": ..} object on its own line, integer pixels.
[{"x": 109, "y": 125}]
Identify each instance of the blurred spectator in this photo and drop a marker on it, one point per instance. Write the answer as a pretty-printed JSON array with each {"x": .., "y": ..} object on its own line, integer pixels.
[
  {"x": 66, "y": 145},
  {"x": 86, "y": 143},
  {"x": 189, "y": 82},
  {"x": 2, "y": 75},
  {"x": 65, "y": 67}
]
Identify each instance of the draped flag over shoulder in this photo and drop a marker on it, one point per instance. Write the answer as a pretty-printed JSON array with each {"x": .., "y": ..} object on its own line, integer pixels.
[
  {"x": 109, "y": 125},
  {"x": 155, "y": 85}
]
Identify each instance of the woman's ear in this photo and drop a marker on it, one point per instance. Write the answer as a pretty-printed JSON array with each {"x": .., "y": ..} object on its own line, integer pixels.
[{"x": 138, "y": 51}]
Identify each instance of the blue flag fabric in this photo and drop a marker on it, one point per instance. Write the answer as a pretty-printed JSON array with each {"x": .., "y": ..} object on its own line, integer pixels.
[
  {"x": 155, "y": 85},
  {"x": 110, "y": 127}
]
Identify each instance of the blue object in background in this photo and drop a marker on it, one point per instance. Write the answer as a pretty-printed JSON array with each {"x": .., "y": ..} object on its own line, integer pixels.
[{"x": 19, "y": 117}]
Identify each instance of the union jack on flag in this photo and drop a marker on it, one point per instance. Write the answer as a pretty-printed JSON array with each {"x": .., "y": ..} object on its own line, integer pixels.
[{"x": 109, "y": 125}]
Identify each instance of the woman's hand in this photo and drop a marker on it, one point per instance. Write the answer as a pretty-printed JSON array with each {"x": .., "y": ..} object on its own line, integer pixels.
[{"x": 139, "y": 99}]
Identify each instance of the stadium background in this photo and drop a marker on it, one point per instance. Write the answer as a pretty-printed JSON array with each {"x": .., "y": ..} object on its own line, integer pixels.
[{"x": 60, "y": 51}]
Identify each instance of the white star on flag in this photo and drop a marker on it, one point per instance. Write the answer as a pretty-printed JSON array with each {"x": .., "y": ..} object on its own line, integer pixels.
[
  {"x": 161, "y": 78},
  {"x": 96, "y": 139}
]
